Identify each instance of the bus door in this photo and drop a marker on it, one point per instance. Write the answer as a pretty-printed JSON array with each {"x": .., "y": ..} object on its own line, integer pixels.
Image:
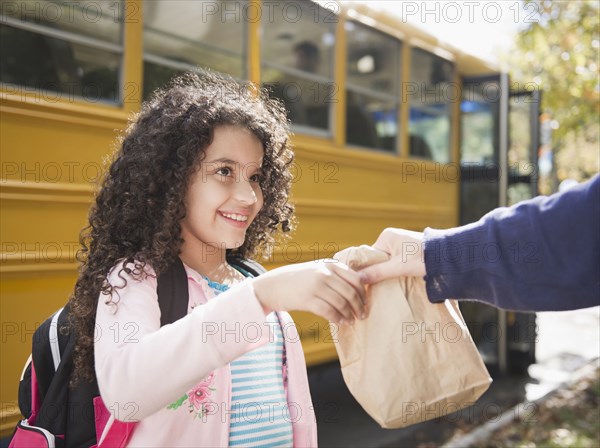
[
  {"x": 522, "y": 184},
  {"x": 498, "y": 161}
]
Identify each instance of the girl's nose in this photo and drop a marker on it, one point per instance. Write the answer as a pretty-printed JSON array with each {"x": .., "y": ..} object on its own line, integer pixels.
[{"x": 245, "y": 193}]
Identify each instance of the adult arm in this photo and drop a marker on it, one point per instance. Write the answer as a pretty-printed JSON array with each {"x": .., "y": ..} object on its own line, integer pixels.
[{"x": 538, "y": 255}]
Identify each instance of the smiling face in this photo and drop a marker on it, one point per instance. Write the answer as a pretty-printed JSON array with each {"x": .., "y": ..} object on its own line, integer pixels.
[{"x": 224, "y": 195}]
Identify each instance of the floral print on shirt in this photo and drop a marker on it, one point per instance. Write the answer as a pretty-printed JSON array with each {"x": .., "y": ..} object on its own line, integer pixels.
[{"x": 196, "y": 397}]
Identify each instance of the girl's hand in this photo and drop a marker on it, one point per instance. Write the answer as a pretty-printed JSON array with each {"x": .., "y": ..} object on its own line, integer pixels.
[
  {"x": 327, "y": 288},
  {"x": 406, "y": 250}
]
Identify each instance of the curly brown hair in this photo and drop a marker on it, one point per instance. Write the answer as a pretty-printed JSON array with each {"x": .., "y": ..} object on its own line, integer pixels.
[{"x": 137, "y": 212}]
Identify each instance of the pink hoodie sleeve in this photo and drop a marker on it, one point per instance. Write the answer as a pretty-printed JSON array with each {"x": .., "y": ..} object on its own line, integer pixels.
[{"x": 141, "y": 366}]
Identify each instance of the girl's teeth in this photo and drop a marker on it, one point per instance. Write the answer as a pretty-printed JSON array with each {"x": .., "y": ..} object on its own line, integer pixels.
[{"x": 241, "y": 218}]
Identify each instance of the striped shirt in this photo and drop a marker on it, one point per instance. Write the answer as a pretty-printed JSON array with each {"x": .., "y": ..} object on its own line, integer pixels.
[{"x": 259, "y": 411}]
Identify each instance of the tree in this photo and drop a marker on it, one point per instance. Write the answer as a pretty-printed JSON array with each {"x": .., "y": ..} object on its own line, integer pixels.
[{"x": 559, "y": 51}]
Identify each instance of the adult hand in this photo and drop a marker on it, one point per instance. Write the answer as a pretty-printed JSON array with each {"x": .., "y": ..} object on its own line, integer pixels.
[
  {"x": 406, "y": 250},
  {"x": 327, "y": 288}
]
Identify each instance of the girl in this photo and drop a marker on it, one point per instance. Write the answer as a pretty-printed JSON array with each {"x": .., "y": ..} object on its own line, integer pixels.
[{"x": 202, "y": 171}]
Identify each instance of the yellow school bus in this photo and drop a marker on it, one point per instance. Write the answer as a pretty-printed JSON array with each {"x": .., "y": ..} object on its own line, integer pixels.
[{"x": 391, "y": 128}]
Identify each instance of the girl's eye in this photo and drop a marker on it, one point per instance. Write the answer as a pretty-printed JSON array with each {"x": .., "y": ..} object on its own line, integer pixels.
[
  {"x": 256, "y": 178},
  {"x": 225, "y": 171}
]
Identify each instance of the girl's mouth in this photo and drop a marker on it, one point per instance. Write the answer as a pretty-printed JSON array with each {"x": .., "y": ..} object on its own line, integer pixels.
[{"x": 235, "y": 219}]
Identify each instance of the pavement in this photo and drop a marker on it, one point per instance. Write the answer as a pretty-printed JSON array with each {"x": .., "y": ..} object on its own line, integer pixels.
[{"x": 567, "y": 343}]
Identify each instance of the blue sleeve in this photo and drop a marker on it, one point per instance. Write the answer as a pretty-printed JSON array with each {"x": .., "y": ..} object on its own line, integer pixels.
[{"x": 538, "y": 255}]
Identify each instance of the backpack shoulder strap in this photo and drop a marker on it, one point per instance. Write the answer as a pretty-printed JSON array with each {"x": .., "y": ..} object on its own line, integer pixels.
[
  {"x": 173, "y": 294},
  {"x": 54, "y": 344},
  {"x": 249, "y": 268},
  {"x": 48, "y": 348},
  {"x": 172, "y": 286},
  {"x": 52, "y": 417}
]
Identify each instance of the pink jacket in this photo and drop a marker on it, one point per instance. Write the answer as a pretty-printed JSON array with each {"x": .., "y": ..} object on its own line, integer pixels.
[{"x": 147, "y": 373}]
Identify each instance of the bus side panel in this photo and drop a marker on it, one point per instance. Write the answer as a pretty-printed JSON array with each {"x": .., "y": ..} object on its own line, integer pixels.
[{"x": 50, "y": 161}]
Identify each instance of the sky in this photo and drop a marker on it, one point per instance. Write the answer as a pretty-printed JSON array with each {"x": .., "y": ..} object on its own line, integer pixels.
[{"x": 482, "y": 28}]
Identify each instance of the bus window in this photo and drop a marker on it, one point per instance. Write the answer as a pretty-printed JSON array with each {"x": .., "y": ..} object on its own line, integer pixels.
[
  {"x": 373, "y": 77},
  {"x": 180, "y": 35},
  {"x": 297, "y": 62},
  {"x": 72, "y": 48},
  {"x": 431, "y": 92},
  {"x": 477, "y": 143}
]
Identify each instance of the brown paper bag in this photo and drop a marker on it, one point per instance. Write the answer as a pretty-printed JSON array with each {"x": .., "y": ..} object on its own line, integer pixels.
[{"x": 410, "y": 360}]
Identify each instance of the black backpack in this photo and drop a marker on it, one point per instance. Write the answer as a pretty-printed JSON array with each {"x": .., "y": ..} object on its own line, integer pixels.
[{"x": 58, "y": 415}]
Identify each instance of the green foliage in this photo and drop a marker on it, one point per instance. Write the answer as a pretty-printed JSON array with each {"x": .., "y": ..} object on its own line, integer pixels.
[{"x": 559, "y": 52}]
